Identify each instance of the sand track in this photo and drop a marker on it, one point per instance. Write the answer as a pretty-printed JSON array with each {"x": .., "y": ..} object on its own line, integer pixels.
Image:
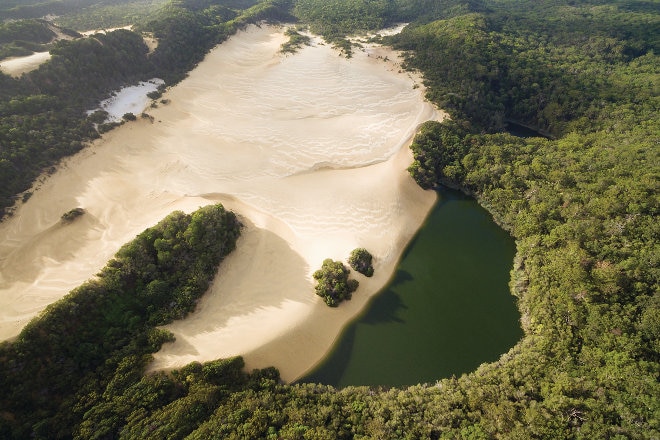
[{"x": 309, "y": 149}]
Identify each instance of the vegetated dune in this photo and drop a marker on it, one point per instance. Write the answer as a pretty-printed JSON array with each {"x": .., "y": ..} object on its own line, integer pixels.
[{"x": 310, "y": 150}]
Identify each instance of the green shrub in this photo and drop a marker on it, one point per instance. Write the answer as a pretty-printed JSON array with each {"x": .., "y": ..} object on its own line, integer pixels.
[
  {"x": 333, "y": 283},
  {"x": 361, "y": 261}
]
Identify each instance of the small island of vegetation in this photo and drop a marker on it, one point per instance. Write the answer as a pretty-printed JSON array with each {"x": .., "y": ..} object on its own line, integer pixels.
[
  {"x": 334, "y": 286},
  {"x": 361, "y": 261},
  {"x": 70, "y": 216}
]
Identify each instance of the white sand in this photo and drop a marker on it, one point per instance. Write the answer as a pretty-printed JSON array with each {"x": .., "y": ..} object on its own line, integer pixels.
[
  {"x": 309, "y": 149},
  {"x": 130, "y": 99},
  {"x": 17, "y": 66}
]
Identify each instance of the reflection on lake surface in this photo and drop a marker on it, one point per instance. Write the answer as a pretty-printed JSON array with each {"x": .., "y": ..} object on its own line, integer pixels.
[{"x": 447, "y": 310}]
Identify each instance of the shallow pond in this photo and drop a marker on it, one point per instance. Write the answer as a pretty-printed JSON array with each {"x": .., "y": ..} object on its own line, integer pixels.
[{"x": 447, "y": 310}]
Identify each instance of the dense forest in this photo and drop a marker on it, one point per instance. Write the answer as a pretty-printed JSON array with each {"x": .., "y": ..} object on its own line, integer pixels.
[
  {"x": 73, "y": 9},
  {"x": 582, "y": 204}
]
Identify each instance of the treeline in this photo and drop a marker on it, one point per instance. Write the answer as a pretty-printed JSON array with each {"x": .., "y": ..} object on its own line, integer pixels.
[
  {"x": 109, "y": 15},
  {"x": 43, "y": 113},
  {"x": 337, "y": 19},
  {"x": 78, "y": 368}
]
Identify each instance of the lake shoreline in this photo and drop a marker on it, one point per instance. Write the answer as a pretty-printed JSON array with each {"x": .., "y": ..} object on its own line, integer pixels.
[{"x": 434, "y": 319}]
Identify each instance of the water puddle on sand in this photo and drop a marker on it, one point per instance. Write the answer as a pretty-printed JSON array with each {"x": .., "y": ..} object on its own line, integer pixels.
[{"x": 129, "y": 99}]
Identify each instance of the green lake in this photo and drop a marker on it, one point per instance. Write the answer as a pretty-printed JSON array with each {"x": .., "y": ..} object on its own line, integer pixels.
[{"x": 447, "y": 310}]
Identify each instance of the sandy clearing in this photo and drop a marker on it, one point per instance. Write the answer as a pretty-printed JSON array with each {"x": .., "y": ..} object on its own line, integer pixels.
[
  {"x": 17, "y": 66},
  {"x": 309, "y": 149}
]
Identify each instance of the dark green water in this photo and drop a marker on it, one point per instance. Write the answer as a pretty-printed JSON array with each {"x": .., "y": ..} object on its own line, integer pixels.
[{"x": 447, "y": 310}]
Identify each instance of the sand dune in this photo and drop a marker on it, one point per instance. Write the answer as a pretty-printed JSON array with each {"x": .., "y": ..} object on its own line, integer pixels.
[
  {"x": 309, "y": 149},
  {"x": 17, "y": 66}
]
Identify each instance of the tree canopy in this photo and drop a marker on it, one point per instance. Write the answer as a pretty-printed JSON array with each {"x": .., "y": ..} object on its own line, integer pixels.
[
  {"x": 333, "y": 284},
  {"x": 360, "y": 260}
]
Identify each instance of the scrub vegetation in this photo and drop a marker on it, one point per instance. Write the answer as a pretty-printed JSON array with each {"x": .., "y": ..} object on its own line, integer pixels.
[
  {"x": 70, "y": 216},
  {"x": 77, "y": 370},
  {"x": 583, "y": 209},
  {"x": 296, "y": 41},
  {"x": 333, "y": 284},
  {"x": 360, "y": 260}
]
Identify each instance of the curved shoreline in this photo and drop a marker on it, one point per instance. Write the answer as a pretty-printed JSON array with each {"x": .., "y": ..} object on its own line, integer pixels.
[{"x": 246, "y": 128}]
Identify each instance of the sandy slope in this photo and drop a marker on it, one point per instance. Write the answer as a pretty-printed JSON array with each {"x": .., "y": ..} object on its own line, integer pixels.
[
  {"x": 19, "y": 65},
  {"x": 308, "y": 148}
]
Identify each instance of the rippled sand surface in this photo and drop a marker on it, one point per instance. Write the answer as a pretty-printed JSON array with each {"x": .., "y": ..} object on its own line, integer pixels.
[{"x": 309, "y": 149}]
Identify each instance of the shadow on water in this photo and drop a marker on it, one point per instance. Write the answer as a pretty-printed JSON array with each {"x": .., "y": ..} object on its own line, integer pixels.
[
  {"x": 447, "y": 309},
  {"x": 332, "y": 372},
  {"x": 382, "y": 309},
  {"x": 401, "y": 277}
]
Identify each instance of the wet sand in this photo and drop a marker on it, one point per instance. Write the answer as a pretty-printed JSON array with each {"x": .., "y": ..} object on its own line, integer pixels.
[{"x": 310, "y": 150}]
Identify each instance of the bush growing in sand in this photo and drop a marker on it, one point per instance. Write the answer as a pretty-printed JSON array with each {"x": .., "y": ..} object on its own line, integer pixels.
[
  {"x": 333, "y": 283},
  {"x": 70, "y": 216},
  {"x": 361, "y": 261}
]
